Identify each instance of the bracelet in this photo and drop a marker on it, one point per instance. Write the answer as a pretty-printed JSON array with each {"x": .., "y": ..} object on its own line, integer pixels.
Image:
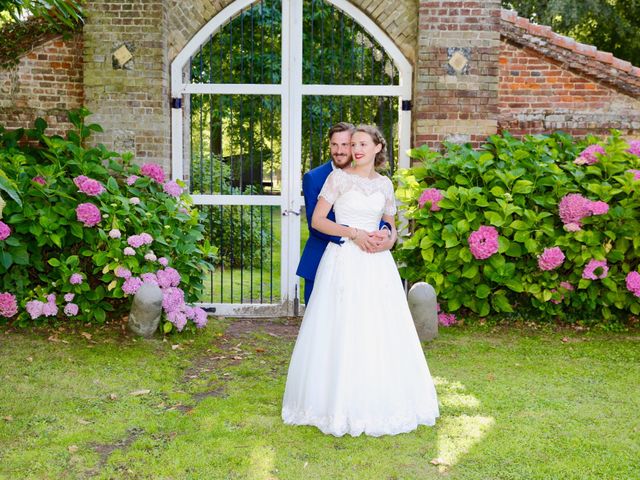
[{"x": 355, "y": 234}]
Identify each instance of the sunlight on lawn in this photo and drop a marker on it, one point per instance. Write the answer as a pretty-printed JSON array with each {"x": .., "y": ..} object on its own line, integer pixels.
[
  {"x": 262, "y": 462},
  {"x": 457, "y": 434}
]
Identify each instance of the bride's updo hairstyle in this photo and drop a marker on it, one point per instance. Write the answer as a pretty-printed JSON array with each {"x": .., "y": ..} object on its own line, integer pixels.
[{"x": 378, "y": 139}]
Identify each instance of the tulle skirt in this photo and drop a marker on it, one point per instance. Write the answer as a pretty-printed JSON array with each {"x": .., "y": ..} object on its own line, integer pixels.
[{"x": 358, "y": 366}]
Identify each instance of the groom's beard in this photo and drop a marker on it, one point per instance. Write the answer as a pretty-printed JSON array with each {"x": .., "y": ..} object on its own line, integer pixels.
[{"x": 341, "y": 158}]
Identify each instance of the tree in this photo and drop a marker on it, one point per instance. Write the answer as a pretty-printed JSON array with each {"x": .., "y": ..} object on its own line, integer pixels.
[
  {"x": 57, "y": 13},
  {"x": 610, "y": 25}
]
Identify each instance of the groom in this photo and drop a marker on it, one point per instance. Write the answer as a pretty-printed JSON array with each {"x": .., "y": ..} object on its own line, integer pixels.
[{"x": 312, "y": 182}]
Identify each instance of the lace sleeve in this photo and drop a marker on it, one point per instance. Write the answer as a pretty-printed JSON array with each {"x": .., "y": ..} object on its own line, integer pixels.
[
  {"x": 331, "y": 188},
  {"x": 390, "y": 198}
]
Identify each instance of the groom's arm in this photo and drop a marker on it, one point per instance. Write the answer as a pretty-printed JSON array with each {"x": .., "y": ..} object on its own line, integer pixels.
[{"x": 311, "y": 192}]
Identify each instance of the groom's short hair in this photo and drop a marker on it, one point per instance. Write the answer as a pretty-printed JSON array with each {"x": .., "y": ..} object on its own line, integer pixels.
[{"x": 341, "y": 127}]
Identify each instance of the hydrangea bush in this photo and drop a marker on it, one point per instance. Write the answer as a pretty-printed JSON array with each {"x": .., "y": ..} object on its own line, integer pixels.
[
  {"x": 543, "y": 227},
  {"x": 85, "y": 228}
]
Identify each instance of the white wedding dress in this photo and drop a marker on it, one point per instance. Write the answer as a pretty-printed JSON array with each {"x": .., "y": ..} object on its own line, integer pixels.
[{"x": 357, "y": 366}]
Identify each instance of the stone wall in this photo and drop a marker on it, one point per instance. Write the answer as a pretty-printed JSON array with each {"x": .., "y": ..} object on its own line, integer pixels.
[{"x": 45, "y": 83}]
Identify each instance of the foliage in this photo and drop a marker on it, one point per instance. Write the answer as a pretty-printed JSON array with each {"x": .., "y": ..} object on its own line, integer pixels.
[
  {"x": 20, "y": 32},
  {"x": 612, "y": 26},
  {"x": 515, "y": 186},
  {"x": 90, "y": 213}
]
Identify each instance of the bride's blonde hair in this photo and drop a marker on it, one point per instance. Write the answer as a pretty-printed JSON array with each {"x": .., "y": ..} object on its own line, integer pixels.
[{"x": 378, "y": 139}]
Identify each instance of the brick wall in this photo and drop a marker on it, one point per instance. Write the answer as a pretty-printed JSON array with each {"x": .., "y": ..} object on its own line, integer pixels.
[
  {"x": 549, "y": 82},
  {"x": 131, "y": 101},
  {"x": 456, "y": 73},
  {"x": 539, "y": 96},
  {"x": 45, "y": 83}
]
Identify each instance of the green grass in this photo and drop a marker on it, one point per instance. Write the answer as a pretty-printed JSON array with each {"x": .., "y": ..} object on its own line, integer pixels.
[{"x": 515, "y": 404}]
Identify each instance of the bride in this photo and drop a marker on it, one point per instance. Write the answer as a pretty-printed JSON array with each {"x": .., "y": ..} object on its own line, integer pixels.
[{"x": 357, "y": 366}]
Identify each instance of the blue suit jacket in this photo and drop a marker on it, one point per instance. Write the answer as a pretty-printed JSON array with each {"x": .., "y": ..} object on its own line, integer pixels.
[{"x": 312, "y": 183}]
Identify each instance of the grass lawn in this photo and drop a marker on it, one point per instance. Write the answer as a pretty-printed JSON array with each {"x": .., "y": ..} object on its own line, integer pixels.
[{"x": 515, "y": 404}]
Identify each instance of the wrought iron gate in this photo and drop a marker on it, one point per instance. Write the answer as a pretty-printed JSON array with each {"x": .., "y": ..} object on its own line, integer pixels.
[{"x": 254, "y": 94}]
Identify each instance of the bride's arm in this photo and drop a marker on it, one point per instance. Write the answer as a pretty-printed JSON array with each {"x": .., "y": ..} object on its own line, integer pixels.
[{"x": 320, "y": 222}]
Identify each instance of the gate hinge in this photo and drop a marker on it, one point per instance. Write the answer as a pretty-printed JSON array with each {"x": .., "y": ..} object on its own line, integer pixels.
[
  {"x": 176, "y": 102},
  {"x": 406, "y": 105}
]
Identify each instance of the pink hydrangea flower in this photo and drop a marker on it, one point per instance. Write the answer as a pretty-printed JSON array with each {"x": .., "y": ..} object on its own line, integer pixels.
[
  {"x": 76, "y": 279},
  {"x": 5, "y": 230},
  {"x": 115, "y": 233},
  {"x": 131, "y": 285},
  {"x": 88, "y": 214},
  {"x": 150, "y": 257},
  {"x": 122, "y": 272},
  {"x": 132, "y": 179},
  {"x": 39, "y": 179},
  {"x": 483, "y": 242},
  {"x": 68, "y": 297},
  {"x": 129, "y": 251},
  {"x": 573, "y": 208},
  {"x": 172, "y": 299},
  {"x": 589, "y": 155},
  {"x": 146, "y": 238},
  {"x": 598, "y": 208},
  {"x": 634, "y": 148},
  {"x": 8, "y": 305},
  {"x": 636, "y": 174},
  {"x": 163, "y": 261},
  {"x": 172, "y": 188},
  {"x": 153, "y": 171},
  {"x": 198, "y": 315},
  {"x": 149, "y": 278},
  {"x": 88, "y": 186},
  {"x": 169, "y": 277},
  {"x": 432, "y": 196},
  {"x": 447, "y": 319},
  {"x": 550, "y": 258},
  {"x": 71, "y": 310},
  {"x": 34, "y": 308},
  {"x": 567, "y": 286},
  {"x": 135, "y": 241},
  {"x": 633, "y": 283},
  {"x": 595, "y": 269},
  {"x": 50, "y": 309},
  {"x": 178, "y": 318},
  {"x": 134, "y": 200}
]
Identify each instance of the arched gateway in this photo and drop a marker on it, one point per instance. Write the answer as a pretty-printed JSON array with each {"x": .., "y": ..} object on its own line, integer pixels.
[{"x": 254, "y": 94}]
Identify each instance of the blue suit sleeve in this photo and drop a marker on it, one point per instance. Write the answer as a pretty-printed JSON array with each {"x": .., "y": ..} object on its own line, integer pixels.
[{"x": 311, "y": 192}]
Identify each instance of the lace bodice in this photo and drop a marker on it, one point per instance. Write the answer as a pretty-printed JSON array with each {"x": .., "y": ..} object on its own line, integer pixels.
[{"x": 358, "y": 201}]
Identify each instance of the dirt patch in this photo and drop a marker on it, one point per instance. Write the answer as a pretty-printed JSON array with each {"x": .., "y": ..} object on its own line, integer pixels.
[
  {"x": 285, "y": 328},
  {"x": 106, "y": 449},
  {"x": 231, "y": 348}
]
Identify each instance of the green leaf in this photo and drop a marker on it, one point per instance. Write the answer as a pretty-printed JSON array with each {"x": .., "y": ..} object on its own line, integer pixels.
[
  {"x": 501, "y": 304},
  {"x": 470, "y": 271},
  {"x": 494, "y": 218},
  {"x": 522, "y": 186},
  {"x": 483, "y": 291},
  {"x": 54, "y": 262},
  {"x": 166, "y": 328},
  {"x": 6, "y": 259}
]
